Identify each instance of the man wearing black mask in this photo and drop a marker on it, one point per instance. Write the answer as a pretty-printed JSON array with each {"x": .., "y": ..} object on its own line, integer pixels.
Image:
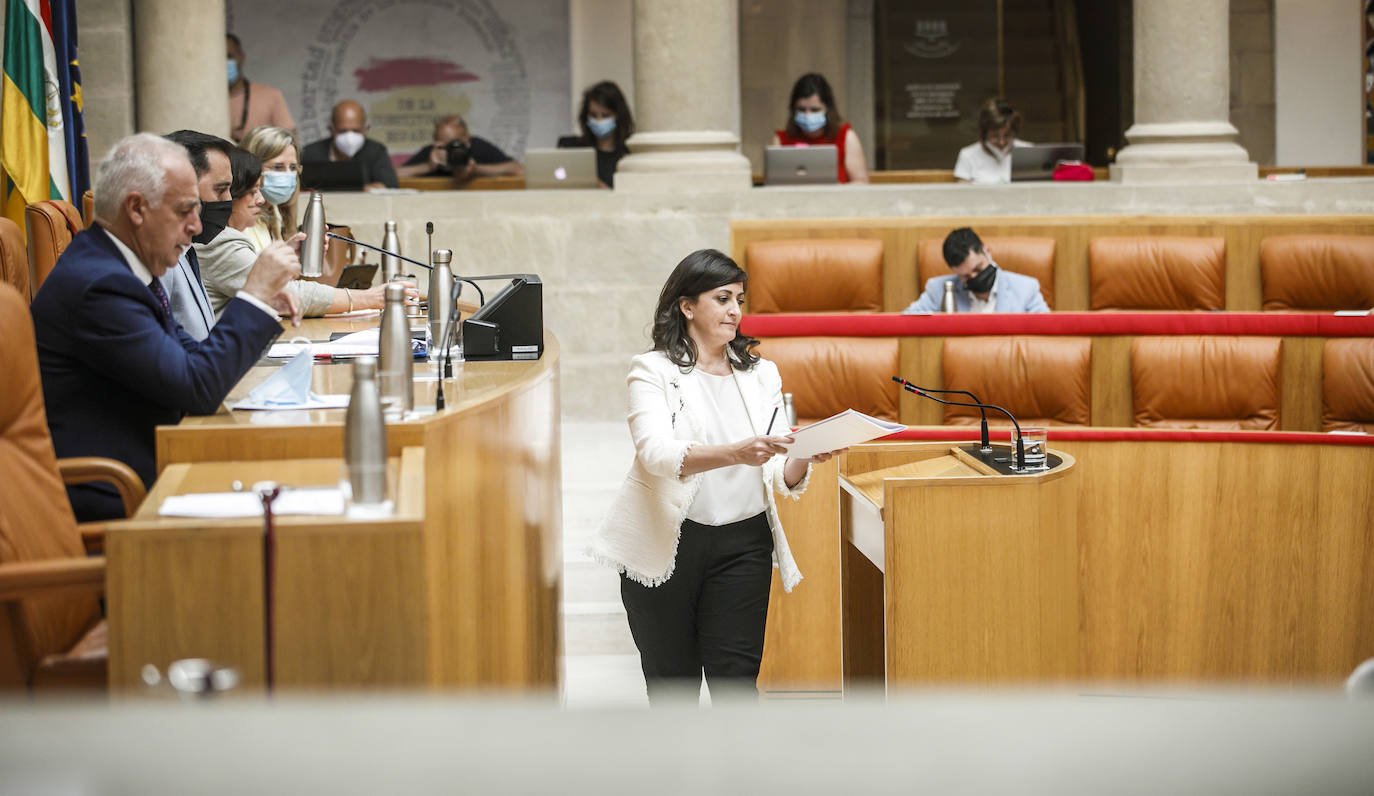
[
  {"x": 185, "y": 289},
  {"x": 979, "y": 285}
]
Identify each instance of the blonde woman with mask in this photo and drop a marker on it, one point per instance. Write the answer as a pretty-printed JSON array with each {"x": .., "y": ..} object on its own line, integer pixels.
[{"x": 278, "y": 150}]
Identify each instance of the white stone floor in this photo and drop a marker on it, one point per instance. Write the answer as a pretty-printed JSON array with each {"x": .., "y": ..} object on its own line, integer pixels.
[{"x": 600, "y": 664}]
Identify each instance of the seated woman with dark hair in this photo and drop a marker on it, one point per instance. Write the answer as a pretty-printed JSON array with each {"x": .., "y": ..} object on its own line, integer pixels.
[
  {"x": 226, "y": 260},
  {"x": 813, "y": 120},
  {"x": 988, "y": 160},
  {"x": 606, "y": 124}
]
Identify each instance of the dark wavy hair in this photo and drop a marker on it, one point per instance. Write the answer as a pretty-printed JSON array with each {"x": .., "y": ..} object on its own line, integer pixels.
[
  {"x": 608, "y": 95},
  {"x": 700, "y": 271},
  {"x": 246, "y": 169},
  {"x": 806, "y": 85}
]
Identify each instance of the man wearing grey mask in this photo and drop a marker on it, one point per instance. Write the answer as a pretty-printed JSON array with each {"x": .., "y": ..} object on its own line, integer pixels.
[
  {"x": 348, "y": 141},
  {"x": 979, "y": 285}
]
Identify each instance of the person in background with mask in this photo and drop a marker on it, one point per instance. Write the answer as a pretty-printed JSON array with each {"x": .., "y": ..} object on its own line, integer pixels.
[
  {"x": 252, "y": 104},
  {"x": 278, "y": 150},
  {"x": 485, "y": 159},
  {"x": 606, "y": 123},
  {"x": 815, "y": 120},
  {"x": 988, "y": 160},
  {"x": 209, "y": 156},
  {"x": 227, "y": 259},
  {"x": 979, "y": 285},
  {"x": 348, "y": 141}
]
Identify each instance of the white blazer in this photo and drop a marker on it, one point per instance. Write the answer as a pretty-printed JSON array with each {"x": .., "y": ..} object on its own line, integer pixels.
[{"x": 640, "y": 533}]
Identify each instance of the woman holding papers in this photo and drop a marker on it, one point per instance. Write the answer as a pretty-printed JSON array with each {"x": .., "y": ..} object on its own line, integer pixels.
[{"x": 694, "y": 530}]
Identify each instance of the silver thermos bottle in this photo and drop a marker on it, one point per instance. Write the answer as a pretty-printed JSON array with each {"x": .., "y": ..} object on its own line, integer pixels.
[
  {"x": 789, "y": 410},
  {"x": 365, "y": 435},
  {"x": 391, "y": 266},
  {"x": 947, "y": 300},
  {"x": 395, "y": 358},
  {"x": 440, "y": 296},
  {"x": 312, "y": 248}
]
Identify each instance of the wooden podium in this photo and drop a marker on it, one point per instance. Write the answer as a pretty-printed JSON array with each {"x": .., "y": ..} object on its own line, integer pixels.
[{"x": 954, "y": 572}]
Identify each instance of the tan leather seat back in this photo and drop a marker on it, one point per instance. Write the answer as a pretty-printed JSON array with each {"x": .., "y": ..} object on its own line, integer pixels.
[
  {"x": 1206, "y": 382},
  {"x": 1317, "y": 272},
  {"x": 14, "y": 261},
  {"x": 1041, "y": 380},
  {"x": 36, "y": 520},
  {"x": 842, "y": 275},
  {"x": 50, "y": 226},
  {"x": 1348, "y": 385},
  {"x": 87, "y": 209},
  {"x": 1028, "y": 256},
  {"x": 1157, "y": 273},
  {"x": 831, "y": 374}
]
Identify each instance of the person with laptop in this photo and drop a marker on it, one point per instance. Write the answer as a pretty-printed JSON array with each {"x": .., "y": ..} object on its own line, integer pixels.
[
  {"x": 988, "y": 160},
  {"x": 348, "y": 141},
  {"x": 470, "y": 157},
  {"x": 980, "y": 286},
  {"x": 814, "y": 120},
  {"x": 606, "y": 123}
]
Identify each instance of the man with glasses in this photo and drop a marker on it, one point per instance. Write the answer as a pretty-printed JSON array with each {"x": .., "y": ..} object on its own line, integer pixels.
[{"x": 348, "y": 141}]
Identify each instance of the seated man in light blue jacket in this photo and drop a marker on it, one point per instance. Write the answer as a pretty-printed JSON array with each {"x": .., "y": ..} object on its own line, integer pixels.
[{"x": 979, "y": 285}]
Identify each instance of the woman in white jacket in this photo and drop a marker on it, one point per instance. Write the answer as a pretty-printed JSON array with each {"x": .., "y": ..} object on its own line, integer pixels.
[{"x": 694, "y": 530}]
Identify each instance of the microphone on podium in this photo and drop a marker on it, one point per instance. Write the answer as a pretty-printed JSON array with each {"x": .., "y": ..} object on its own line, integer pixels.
[{"x": 924, "y": 393}]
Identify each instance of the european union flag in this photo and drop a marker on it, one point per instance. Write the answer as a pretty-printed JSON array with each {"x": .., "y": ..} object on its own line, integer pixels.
[{"x": 69, "y": 82}]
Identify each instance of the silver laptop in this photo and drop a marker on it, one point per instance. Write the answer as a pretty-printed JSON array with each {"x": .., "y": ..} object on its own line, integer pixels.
[
  {"x": 801, "y": 165},
  {"x": 560, "y": 168},
  {"x": 1037, "y": 161}
]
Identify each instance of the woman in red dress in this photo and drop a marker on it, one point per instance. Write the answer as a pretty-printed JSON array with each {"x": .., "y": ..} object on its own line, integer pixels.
[{"x": 815, "y": 120}]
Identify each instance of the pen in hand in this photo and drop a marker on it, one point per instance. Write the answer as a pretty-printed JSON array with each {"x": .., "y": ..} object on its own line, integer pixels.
[{"x": 770, "y": 422}]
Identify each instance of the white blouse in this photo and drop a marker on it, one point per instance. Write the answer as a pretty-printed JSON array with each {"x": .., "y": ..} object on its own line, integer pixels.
[
  {"x": 727, "y": 494},
  {"x": 976, "y": 165}
]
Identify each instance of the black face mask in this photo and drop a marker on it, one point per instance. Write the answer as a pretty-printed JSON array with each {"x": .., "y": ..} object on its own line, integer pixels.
[
  {"x": 982, "y": 283},
  {"x": 214, "y": 216}
]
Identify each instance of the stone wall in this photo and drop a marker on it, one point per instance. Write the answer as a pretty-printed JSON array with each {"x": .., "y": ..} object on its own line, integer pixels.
[{"x": 1252, "y": 77}]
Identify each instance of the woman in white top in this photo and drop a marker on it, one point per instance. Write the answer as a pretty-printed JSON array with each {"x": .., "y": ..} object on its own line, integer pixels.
[
  {"x": 694, "y": 530},
  {"x": 989, "y": 160}
]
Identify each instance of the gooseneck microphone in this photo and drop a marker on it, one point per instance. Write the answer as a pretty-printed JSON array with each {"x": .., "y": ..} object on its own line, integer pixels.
[
  {"x": 482, "y": 298},
  {"x": 924, "y": 393},
  {"x": 985, "y": 447}
]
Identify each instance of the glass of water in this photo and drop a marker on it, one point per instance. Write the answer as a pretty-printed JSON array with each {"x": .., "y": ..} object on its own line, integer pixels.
[{"x": 1034, "y": 438}]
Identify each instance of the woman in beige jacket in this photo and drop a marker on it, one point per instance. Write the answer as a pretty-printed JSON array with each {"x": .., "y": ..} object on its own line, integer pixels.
[{"x": 694, "y": 531}]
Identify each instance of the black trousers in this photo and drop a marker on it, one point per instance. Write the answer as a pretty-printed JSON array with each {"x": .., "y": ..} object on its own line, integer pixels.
[{"x": 709, "y": 616}]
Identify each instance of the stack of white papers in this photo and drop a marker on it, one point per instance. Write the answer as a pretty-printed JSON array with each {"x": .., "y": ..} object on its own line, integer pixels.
[
  {"x": 838, "y": 431},
  {"x": 218, "y": 505},
  {"x": 357, "y": 344}
]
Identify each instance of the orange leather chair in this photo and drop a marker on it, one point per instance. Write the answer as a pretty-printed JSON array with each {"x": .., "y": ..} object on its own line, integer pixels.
[
  {"x": 1317, "y": 272},
  {"x": 1157, "y": 273},
  {"x": 51, "y": 633},
  {"x": 1041, "y": 380},
  {"x": 844, "y": 275},
  {"x": 14, "y": 262},
  {"x": 1215, "y": 383},
  {"x": 51, "y": 225},
  {"x": 831, "y": 374},
  {"x": 1348, "y": 385},
  {"x": 1026, "y": 256}
]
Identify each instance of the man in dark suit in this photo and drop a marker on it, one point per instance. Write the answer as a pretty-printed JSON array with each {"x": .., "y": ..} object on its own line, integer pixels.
[{"x": 114, "y": 362}]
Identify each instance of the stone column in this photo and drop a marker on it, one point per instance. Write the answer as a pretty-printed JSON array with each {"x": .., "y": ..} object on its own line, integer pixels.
[
  {"x": 1182, "y": 130},
  {"x": 687, "y": 118},
  {"x": 179, "y": 66}
]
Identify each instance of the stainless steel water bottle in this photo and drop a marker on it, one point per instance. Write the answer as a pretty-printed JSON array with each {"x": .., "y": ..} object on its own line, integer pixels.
[
  {"x": 391, "y": 265},
  {"x": 312, "y": 248},
  {"x": 788, "y": 410},
  {"x": 395, "y": 358},
  {"x": 365, "y": 435},
  {"x": 440, "y": 295},
  {"x": 947, "y": 300}
]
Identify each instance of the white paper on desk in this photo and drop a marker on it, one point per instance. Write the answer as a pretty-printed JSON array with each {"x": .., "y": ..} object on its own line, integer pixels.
[
  {"x": 838, "y": 431},
  {"x": 315, "y": 402},
  {"x": 357, "y": 344},
  {"x": 223, "y": 505},
  {"x": 1353, "y": 313}
]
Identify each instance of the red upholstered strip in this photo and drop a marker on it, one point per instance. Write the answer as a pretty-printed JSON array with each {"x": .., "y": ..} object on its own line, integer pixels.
[
  {"x": 961, "y": 433},
  {"x": 1279, "y": 324}
]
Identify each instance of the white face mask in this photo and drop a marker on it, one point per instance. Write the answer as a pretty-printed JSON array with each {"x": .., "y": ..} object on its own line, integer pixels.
[{"x": 349, "y": 142}]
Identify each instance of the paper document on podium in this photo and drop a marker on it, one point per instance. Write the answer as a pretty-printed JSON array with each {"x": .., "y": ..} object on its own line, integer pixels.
[{"x": 838, "y": 431}]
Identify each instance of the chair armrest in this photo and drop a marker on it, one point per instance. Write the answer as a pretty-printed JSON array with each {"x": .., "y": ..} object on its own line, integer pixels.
[
  {"x": 85, "y": 469},
  {"x": 23, "y": 580},
  {"x": 93, "y": 536}
]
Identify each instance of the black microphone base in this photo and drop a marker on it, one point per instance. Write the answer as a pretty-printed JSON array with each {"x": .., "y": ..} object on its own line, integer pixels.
[{"x": 1001, "y": 458}]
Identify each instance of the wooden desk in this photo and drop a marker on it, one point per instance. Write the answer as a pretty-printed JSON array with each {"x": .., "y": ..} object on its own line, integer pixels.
[
  {"x": 349, "y": 603},
  {"x": 1202, "y": 557},
  {"x": 492, "y": 502}
]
